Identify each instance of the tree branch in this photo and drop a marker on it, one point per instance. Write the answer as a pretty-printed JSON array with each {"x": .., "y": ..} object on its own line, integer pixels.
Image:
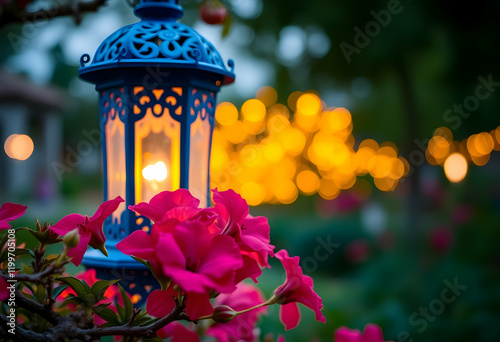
[
  {"x": 11, "y": 14},
  {"x": 51, "y": 316},
  {"x": 147, "y": 330}
]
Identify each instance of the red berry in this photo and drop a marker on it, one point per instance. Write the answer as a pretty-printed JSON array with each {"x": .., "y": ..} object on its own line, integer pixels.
[{"x": 213, "y": 12}]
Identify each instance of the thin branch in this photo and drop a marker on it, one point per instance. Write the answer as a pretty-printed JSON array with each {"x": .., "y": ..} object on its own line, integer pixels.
[
  {"x": 125, "y": 330},
  {"x": 36, "y": 277},
  {"x": 26, "y": 303},
  {"x": 12, "y": 15},
  {"x": 20, "y": 333}
]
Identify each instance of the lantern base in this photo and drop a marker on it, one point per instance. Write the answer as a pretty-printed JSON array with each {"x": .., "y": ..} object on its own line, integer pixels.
[{"x": 135, "y": 278}]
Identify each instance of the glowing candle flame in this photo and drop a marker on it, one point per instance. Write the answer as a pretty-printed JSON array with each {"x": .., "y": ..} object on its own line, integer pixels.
[{"x": 156, "y": 172}]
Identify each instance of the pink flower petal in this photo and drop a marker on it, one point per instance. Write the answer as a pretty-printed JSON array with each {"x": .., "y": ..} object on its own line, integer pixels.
[
  {"x": 344, "y": 334},
  {"x": 290, "y": 315},
  {"x": 165, "y": 201},
  {"x": 231, "y": 207},
  {"x": 372, "y": 333},
  {"x": 76, "y": 253},
  {"x": 178, "y": 332},
  {"x": 223, "y": 257},
  {"x": 160, "y": 302},
  {"x": 197, "y": 305},
  {"x": 138, "y": 244},
  {"x": 68, "y": 223},
  {"x": 96, "y": 221},
  {"x": 10, "y": 212}
]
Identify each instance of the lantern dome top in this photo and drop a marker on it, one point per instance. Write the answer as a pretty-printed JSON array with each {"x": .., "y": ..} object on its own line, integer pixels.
[{"x": 157, "y": 41}]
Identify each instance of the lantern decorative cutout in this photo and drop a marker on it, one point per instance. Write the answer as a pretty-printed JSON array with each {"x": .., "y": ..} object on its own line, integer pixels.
[{"x": 157, "y": 81}]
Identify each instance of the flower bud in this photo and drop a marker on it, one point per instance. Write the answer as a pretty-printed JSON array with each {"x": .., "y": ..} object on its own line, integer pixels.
[
  {"x": 71, "y": 238},
  {"x": 223, "y": 314}
]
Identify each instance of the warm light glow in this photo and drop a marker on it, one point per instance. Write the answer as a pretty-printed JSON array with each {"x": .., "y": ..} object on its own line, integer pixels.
[
  {"x": 308, "y": 104},
  {"x": 308, "y": 182},
  {"x": 253, "y": 110},
  {"x": 268, "y": 95},
  {"x": 226, "y": 113},
  {"x": 254, "y": 193},
  {"x": 455, "y": 167},
  {"x": 19, "y": 146},
  {"x": 156, "y": 172}
]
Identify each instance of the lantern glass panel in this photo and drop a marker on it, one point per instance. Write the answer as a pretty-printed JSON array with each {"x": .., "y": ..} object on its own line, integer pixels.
[
  {"x": 115, "y": 149},
  {"x": 202, "y": 109},
  {"x": 157, "y": 140}
]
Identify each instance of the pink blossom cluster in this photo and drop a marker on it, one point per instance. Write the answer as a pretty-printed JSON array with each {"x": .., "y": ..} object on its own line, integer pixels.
[{"x": 200, "y": 256}]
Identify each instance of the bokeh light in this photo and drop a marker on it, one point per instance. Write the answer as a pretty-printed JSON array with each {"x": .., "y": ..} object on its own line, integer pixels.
[
  {"x": 455, "y": 167},
  {"x": 273, "y": 152},
  {"x": 19, "y": 146}
]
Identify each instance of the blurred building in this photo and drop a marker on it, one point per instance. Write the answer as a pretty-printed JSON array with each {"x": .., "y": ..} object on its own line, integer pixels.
[{"x": 32, "y": 137}]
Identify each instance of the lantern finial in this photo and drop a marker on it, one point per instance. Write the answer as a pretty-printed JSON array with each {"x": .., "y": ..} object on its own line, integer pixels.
[{"x": 159, "y": 9}]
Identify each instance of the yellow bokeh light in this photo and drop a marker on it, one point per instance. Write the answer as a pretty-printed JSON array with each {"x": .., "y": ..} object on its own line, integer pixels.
[
  {"x": 251, "y": 155},
  {"x": 218, "y": 158},
  {"x": 455, "y": 167},
  {"x": 481, "y": 160},
  {"x": 293, "y": 141},
  {"x": 292, "y": 100},
  {"x": 439, "y": 147},
  {"x": 445, "y": 133},
  {"x": 285, "y": 191},
  {"x": 308, "y": 182},
  {"x": 273, "y": 152},
  {"x": 309, "y": 104},
  {"x": 385, "y": 184},
  {"x": 226, "y": 113},
  {"x": 253, "y": 110},
  {"x": 254, "y": 193},
  {"x": 328, "y": 189},
  {"x": 369, "y": 143},
  {"x": 277, "y": 123},
  {"x": 268, "y": 95},
  {"x": 484, "y": 143},
  {"x": 337, "y": 119},
  {"x": 308, "y": 123},
  {"x": 19, "y": 146},
  {"x": 235, "y": 133}
]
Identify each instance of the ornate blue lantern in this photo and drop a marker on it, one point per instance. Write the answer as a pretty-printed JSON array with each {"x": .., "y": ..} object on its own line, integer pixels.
[{"x": 157, "y": 81}]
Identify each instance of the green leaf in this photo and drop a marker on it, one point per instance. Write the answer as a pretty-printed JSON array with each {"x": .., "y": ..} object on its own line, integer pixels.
[
  {"x": 100, "y": 287},
  {"x": 40, "y": 293},
  {"x": 17, "y": 252},
  {"x": 58, "y": 290},
  {"x": 81, "y": 288},
  {"x": 127, "y": 303},
  {"x": 106, "y": 313},
  {"x": 121, "y": 313}
]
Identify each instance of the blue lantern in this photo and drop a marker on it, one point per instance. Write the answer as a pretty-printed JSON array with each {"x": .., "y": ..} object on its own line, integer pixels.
[{"x": 157, "y": 81}]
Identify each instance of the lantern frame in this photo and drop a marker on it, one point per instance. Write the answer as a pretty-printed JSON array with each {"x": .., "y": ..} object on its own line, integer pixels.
[{"x": 148, "y": 70}]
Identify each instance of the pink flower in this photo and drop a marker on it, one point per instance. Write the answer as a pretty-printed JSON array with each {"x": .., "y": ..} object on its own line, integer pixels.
[
  {"x": 372, "y": 333},
  {"x": 297, "y": 288},
  {"x": 89, "y": 229},
  {"x": 165, "y": 201},
  {"x": 10, "y": 212},
  {"x": 196, "y": 260},
  {"x": 241, "y": 327},
  {"x": 250, "y": 233},
  {"x": 178, "y": 332}
]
